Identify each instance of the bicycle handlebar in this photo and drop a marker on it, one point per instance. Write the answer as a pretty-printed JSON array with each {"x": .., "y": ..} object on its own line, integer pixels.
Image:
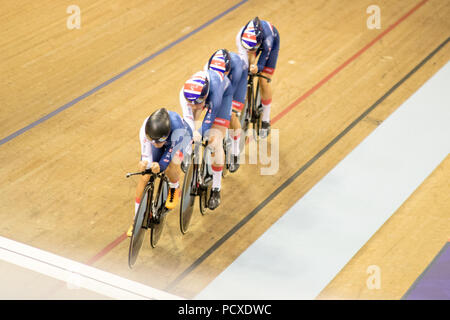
[
  {"x": 159, "y": 174},
  {"x": 147, "y": 171},
  {"x": 259, "y": 75}
]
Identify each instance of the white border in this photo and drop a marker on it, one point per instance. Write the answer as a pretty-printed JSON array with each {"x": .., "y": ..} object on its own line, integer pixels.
[{"x": 78, "y": 275}]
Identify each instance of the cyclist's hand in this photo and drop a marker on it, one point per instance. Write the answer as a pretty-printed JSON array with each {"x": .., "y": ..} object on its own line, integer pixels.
[
  {"x": 155, "y": 167},
  {"x": 197, "y": 136},
  {"x": 142, "y": 165},
  {"x": 253, "y": 68}
]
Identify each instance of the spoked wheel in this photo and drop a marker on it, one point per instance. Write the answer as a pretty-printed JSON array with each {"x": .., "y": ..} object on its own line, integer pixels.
[
  {"x": 187, "y": 199},
  {"x": 160, "y": 212},
  {"x": 140, "y": 226},
  {"x": 205, "y": 188}
]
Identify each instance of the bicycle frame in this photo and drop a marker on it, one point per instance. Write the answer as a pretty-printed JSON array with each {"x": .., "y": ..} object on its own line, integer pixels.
[
  {"x": 252, "y": 113},
  {"x": 198, "y": 185},
  {"x": 149, "y": 188}
]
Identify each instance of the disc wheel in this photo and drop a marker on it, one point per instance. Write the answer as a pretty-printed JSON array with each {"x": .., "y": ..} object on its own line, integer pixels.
[
  {"x": 205, "y": 188},
  {"x": 160, "y": 212},
  {"x": 227, "y": 155},
  {"x": 187, "y": 199},
  {"x": 139, "y": 226},
  {"x": 257, "y": 124}
]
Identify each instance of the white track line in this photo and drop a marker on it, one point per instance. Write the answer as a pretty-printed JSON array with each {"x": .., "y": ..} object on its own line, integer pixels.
[{"x": 78, "y": 274}]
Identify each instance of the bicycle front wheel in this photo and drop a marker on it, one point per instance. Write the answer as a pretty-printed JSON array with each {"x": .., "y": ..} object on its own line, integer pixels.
[
  {"x": 139, "y": 226},
  {"x": 187, "y": 199},
  {"x": 258, "y": 113},
  {"x": 159, "y": 212},
  {"x": 227, "y": 154},
  {"x": 205, "y": 188}
]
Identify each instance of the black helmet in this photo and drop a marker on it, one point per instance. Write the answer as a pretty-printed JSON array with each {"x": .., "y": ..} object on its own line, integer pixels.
[
  {"x": 157, "y": 127},
  {"x": 220, "y": 61}
]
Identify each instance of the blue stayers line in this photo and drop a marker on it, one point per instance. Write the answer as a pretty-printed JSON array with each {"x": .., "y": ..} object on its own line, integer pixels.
[{"x": 120, "y": 75}]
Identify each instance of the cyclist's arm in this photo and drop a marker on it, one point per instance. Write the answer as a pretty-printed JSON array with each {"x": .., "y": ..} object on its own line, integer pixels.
[
  {"x": 264, "y": 56},
  {"x": 241, "y": 50},
  {"x": 172, "y": 149},
  {"x": 180, "y": 136},
  {"x": 191, "y": 117},
  {"x": 222, "y": 102},
  {"x": 188, "y": 115},
  {"x": 209, "y": 118},
  {"x": 251, "y": 57},
  {"x": 146, "y": 148}
]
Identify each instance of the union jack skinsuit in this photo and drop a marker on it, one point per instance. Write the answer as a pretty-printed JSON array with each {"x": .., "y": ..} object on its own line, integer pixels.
[
  {"x": 218, "y": 103},
  {"x": 269, "y": 48}
]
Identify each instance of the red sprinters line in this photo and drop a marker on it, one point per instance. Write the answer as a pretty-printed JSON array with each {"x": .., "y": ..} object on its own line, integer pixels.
[
  {"x": 116, "y": 242},
  {"x": 107, "y": 249}
]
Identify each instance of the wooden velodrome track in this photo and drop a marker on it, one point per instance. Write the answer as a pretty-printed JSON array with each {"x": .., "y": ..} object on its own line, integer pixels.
[{"x": 63, "y": 186}]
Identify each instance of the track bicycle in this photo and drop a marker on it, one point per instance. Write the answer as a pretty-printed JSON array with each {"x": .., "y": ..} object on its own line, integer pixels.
[
  {"x": 151, "y": 213},
  {"x": 197, "y": 182},
  {"x": 252, "y": 112}
]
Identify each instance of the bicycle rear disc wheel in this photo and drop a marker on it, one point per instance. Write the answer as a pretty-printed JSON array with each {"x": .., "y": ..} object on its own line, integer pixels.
[
  {"x": 159, "y": 213},
  {"x": 187, "y": 199},
  {"x": 139, "y": 227}
]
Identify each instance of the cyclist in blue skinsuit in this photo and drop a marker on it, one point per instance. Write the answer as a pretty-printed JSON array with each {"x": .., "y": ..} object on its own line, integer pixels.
[
  {"x": 212, "y": 91},
  {"x": 162, "y": 135},
  {"x": 260, "y": 37},
  {"x": 233, "y": 67}
]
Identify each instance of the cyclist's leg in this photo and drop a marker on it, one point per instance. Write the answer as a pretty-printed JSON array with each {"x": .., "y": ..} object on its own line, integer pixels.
[
  {"x": 173, "y": 170},
  {"x": 235, "y": 134},
  {"x": 173, "y": 175},
  {"x": 266, "y": 87},
  {"x": 216, "y": 134},
  {"x": 235, "y": 124}
]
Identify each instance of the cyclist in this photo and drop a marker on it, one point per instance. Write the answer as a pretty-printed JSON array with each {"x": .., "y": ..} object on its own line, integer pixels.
[
  {"x": 233, "y": 67},
  {"x": 212, "y": 91},
  {"x": 162, "y": 135},
  {"x": 260, "y": 37}
]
